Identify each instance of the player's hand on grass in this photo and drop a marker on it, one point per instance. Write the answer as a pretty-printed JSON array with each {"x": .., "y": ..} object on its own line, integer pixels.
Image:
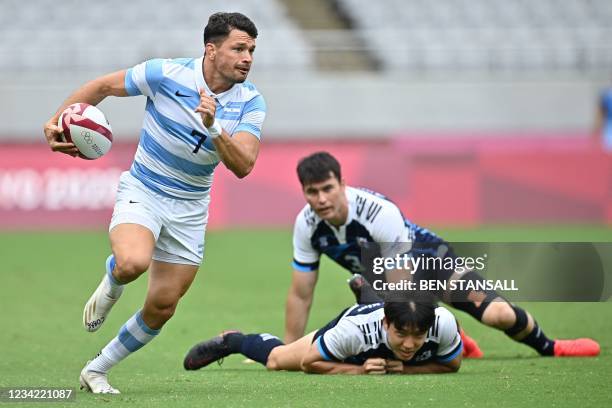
[
  {"x": 375, "y": 366},
  {"x": 206, "y": 109},
  {"x": 53, "y": 134},
  {"x": 394, "y": 367}
]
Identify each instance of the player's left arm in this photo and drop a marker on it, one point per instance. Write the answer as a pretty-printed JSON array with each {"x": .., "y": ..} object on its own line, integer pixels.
[
  {"x": 238, "y": 151},
  {"x": 434, "y": 367}
]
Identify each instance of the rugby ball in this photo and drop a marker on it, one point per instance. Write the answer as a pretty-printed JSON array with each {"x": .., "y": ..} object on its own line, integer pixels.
[{"x": 87, "y": 127}]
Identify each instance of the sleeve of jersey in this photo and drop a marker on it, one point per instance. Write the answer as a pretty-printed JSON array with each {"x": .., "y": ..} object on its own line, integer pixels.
[
  {"x": 339, "y": 342},
  {"x": 391, "y": 231},
  {"x": 305, "y": 257},
  {"x": 253, "y": 117},
  {"x": 450, "y": 339},
  {"x": 144, "y": 78}
]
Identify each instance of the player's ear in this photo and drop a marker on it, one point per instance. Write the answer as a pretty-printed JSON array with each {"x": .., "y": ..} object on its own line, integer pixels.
[
  {"x": 210, "y": 50},
  {"x": 385, "y": 323}
]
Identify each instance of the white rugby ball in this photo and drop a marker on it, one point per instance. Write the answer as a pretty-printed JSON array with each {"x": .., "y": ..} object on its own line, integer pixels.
[{"x": 87, "y": 127}]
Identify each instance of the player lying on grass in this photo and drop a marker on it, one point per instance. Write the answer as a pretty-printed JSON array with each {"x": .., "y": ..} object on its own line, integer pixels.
[
  {"x": 339, "y": 221},
  {"x": 411, "y": 337}
]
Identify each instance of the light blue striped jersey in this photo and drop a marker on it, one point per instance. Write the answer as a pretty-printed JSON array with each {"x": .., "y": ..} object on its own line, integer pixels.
[{"x": 175, "y": 156}]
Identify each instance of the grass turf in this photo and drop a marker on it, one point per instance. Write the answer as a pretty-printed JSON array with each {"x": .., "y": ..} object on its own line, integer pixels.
[{"x": 46, "y": 278}]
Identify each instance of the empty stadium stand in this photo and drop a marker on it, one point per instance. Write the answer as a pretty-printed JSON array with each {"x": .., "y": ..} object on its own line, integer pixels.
[
  {"x": 485, "y": 35},
  {"x": 110, "y": 34},
  {"x": 432, "y": 66}
]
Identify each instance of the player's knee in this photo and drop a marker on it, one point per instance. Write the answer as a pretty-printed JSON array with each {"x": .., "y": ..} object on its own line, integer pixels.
[
  {"x": 166, "y": 314},
  {"x": 162, "y": 310},
  {"x": 500, "y": 315},
  {"x": 129, "y": 267},
  {"x": 163, "y": 315},
  {"x": 273, "y": 362}
]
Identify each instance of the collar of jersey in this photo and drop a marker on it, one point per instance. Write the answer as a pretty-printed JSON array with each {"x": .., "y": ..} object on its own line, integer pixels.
[
  {"x": 224, "y": 97},
  {"x": 337, "y": 229}
]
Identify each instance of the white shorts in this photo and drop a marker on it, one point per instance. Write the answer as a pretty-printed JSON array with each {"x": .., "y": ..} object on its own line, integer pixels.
[{"x": 178, "y": 225}]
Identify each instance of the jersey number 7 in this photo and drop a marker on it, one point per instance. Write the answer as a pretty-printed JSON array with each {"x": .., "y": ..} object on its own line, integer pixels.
[{"x": 202, "y": 139}]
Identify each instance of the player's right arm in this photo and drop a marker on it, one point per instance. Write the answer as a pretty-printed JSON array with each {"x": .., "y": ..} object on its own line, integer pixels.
[
  {"x": 328, "y": 352},
  {"x": 299, "y": 300},
  {"x": 93, "y": 92}
]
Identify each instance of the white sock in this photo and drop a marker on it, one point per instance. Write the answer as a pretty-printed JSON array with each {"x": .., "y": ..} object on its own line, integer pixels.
[{"x": 133, "y": 335}]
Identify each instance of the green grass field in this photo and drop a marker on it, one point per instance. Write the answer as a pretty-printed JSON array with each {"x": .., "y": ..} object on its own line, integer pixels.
[{"x": 46, "y": 278}]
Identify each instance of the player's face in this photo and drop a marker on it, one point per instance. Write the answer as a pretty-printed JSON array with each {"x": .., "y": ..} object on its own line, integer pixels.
[
  {"x": 234, "y": 56},
  {"x": 327, "y": 199},
  {"x": 405, "y": 342}
]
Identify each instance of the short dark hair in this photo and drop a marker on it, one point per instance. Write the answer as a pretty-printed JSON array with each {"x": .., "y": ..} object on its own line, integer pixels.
[
  {"x": 316, "y": 168},
  {"x": 418, "y": 315},
  {"x": 220, "y": 24}
]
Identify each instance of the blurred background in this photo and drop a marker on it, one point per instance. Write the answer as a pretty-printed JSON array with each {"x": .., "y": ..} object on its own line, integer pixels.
[{"x": 464, "y": 112}]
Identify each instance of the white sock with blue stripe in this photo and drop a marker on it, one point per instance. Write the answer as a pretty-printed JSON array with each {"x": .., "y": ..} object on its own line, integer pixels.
[{"x": 133, "y": 335}]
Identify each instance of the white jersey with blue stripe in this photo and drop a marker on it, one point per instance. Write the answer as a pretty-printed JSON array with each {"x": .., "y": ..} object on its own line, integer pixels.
[
  {"x": 360, "y": 334},
  {"x": 372, "y": 217},
  {"x": 176, "y": 157}
]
